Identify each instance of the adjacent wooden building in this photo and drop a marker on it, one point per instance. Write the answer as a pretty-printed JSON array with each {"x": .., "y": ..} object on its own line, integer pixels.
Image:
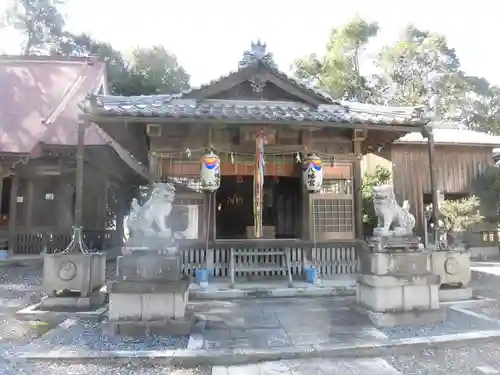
[
  {"x": 225, "y": 116},
  {"x": 39, "y": 99},
  {"x": 460, "y": 157}
]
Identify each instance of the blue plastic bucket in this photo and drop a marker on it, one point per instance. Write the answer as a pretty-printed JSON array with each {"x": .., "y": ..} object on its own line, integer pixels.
[
  {"x": 311, "y": 275},
  {"x": 202, "y": 277},
  {"x": 4, "y": 254}
]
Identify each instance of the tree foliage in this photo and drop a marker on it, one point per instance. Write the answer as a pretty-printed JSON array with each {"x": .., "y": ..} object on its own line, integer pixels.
[
  {"x": 419, "y": 68},
  {"x": 338, "y": 71},
  {"x": 40, "y": 22},
  {"x": 487, "y": 188},
  {"x": 459, "y": 215}
]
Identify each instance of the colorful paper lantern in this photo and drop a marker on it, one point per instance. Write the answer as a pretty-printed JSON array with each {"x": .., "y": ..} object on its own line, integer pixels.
[
  {"x": 210, "y": 172},
  {"x": 312, "y": 173}
]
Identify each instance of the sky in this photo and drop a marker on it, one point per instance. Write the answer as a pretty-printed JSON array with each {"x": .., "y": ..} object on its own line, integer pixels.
[{"x": 209, "y": 37}]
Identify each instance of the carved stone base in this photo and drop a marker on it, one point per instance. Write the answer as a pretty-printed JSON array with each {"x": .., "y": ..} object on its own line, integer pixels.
[
  {"x": 396, "y": 286},
  {"x": 76, "y": 272},
  {"x": 150, "y": 295},
  {"x": 147, "y": 304}
]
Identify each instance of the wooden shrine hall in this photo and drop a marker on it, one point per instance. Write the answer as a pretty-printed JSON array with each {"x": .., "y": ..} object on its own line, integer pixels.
[{"x": 294, "y": 122}]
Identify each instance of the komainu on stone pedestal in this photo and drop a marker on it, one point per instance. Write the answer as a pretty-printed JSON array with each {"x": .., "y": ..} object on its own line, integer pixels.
[
  {"x": 150, "y": 295},
  {"x": 393, "y": 220},
  {"x": 396, "y": 285}
]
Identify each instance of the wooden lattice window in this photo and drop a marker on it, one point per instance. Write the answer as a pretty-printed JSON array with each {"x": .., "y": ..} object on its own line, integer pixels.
[{"x": 333, "y": 210}]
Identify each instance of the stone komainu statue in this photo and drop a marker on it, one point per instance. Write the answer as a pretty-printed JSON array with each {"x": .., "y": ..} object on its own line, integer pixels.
[
  {"x": 393, "y": 220},
  {"x": 148, "y": 222}
]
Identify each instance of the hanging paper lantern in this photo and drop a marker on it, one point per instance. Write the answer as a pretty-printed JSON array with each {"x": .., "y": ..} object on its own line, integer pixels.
[
  {"x": 210, "y": 172},
  {"x": 312, "y": 173}
]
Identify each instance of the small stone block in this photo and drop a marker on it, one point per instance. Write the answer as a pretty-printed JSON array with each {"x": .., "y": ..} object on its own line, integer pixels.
[
  {"x": 458, "y": 294},
  {"x": 170, "y": 327},
  {"x": 125, "y": 306},
  {"x": 77, "y": 302},
  {"x": 486, "y": 370},
  {"x": 405, "y": 318}
]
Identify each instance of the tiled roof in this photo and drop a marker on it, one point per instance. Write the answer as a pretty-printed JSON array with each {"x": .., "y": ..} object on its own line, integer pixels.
[
  {"x": 169, "y": 107},
  {"x": 453, "y": 136}
]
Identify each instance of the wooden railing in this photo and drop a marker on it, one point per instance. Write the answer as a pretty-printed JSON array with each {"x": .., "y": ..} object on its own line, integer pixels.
[
  {"x": 37, "y": 241},
  {"x": 331, "y": 258}
]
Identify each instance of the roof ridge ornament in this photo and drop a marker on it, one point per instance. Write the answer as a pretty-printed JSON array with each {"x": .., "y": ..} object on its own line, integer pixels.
[{"x": 257, "y": 52}]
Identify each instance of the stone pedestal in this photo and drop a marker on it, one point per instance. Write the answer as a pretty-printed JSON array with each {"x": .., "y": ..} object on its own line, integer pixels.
[
  {"x": 149, "y": 296},
  {"x": 396, "y": 285},
  {"x": 453, "y": 267},
  {"x": 73, "y": 280}
]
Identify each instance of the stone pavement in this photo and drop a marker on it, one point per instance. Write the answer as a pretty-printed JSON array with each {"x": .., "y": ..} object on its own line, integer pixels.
[{"x": 373, "y": 366}]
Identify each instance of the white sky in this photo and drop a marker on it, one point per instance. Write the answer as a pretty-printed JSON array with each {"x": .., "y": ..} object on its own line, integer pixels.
[{"x": 209, "y": 36}]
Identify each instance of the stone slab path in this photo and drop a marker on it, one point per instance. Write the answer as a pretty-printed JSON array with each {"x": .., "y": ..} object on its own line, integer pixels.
[{"x": 373, "y": 366}]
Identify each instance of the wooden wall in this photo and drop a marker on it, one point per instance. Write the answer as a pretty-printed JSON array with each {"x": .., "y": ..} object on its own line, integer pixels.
[{"x": 457, "y": 167}]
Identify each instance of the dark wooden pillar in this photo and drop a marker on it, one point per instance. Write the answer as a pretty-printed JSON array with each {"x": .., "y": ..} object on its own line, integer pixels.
[
  {"x": 121, "y": 208},
  {"x": 307, "y": 200},
  {"x": 358, "y": 138},
  {"x": 28, "y": 203},
  {"x": 1, "y": 190},
  {"x": 13, "y": 213},
  {"x": 77, "y": 243},
  {"x": 433, "y": 179}
]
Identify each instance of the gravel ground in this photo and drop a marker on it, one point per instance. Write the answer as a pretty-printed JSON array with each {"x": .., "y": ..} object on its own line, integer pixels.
[
  {"x": 67, "y": 369},
  {"x": 87, "y": 335},
  {"x": 456, "y": 322},
  {"x": 462, "y": 360},
  {"x": 19, "y": 288}
]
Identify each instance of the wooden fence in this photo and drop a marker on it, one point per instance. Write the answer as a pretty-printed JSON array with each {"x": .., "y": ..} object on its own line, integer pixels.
[{"x": 330, "y": 258}]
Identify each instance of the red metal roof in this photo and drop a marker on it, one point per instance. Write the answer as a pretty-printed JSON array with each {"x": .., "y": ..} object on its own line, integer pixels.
[{"x": 39, "y": 97}]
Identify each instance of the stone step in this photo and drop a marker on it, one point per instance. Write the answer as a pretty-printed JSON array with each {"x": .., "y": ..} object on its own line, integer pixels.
[{"x": 372, "y": 366}]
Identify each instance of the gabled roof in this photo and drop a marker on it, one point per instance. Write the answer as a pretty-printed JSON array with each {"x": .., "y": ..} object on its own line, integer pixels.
[
  {"x": 39, "y": 97},
  {"x": 38, "y": 100},
  {"x": 257, "y": 66},
  {"x": 258, "y": 62}
]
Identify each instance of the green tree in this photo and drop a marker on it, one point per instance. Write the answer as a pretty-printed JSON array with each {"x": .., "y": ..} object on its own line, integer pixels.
[
  {"x": 420, "y": 68},
  {"x": 149, "y": 71},
  {"x": 337, "y": 72},
  {"x": 157, "y": 71},
  {"x": 487, "y": 188},
  {"x": 380, "y": 176},
  {"x": 459, "y": 215},
  {"x": 118, "y": 72},
  {"x": 415, "y": 62},
  {"x": 39, "y": 21}
]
